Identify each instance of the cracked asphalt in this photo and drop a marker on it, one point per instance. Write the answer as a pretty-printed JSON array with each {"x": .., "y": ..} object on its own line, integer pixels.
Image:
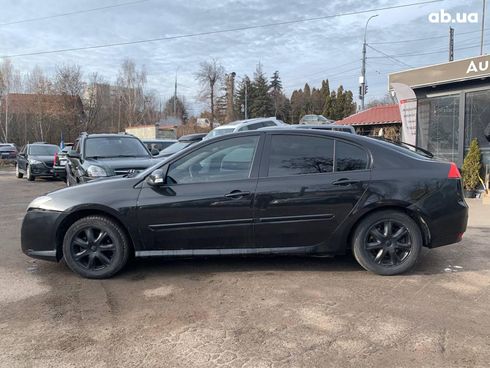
[{"x": 243, "y": 312}]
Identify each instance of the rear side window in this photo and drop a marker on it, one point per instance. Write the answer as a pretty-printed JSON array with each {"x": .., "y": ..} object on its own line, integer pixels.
[
  {"x": 268, "y": 123},
  {"x": 300, "y": 155},
  {"x": 349, "y": 157}
]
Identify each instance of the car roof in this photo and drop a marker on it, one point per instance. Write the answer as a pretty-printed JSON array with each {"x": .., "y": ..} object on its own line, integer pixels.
[
  {"x": 240, "y": 123},
  {"x": 108, "y": 135},
  {"x": 42, "y": 144},
  {"x": 159, "y": 140},
  {"x": 192, "y": 137}
]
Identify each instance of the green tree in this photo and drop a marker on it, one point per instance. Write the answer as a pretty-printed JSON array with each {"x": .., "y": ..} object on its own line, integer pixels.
[
  {"x": 261, "y": 104},
  {"x": 275, "y": 90},
  {"x": 471, "y": 166},
  {"x": 244, "y": 85}
]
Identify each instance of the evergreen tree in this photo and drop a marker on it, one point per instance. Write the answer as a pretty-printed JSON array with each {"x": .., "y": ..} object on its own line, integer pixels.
[
  {"x": 317, "y": 101},
  {"x": 275, "y": 89},
  {"x": 261, "y": 104},
  {"x": 240, "y": 97},
  {"x": 307, "y": 105}
]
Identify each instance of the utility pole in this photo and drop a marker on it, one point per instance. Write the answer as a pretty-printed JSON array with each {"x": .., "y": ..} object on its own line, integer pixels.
[
  {"x": 6, "y": 117},
  {"x": 482, "y": 26},
  {"x": 175, "y": 96},
  {"x": 451, "y": 43},
  {"x": 362, "y": 78},
  {"x": 119, "y": 116},
  {"x": 246, "y": 99}
]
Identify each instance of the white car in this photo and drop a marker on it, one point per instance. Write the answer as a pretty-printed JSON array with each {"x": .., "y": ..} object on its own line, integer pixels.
[
  {"x": 315, "y": 119},
  {"x": 244, "y": 125}
]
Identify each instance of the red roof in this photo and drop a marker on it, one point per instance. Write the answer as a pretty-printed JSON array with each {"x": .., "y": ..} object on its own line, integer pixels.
[{"x": 378, "y": 115}]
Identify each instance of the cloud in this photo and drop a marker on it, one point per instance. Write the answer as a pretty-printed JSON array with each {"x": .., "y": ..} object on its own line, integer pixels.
[{"x": 302, "y": 52}]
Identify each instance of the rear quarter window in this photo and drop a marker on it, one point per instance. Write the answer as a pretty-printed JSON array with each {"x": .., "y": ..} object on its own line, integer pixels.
[{"x": 349, "y": 157}]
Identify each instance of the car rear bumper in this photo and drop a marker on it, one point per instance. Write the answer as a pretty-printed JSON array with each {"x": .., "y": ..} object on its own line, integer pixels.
[
  {"x": 59, "y": 171},
  {"x": 38, "y": 234}
]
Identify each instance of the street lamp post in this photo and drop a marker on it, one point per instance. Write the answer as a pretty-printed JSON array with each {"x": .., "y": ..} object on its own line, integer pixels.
[{"x": 362, "y": 78}]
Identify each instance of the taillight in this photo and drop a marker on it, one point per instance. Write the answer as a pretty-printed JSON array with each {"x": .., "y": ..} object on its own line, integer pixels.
[
  {"x": 56, "y": 161},
  {"x": 453, "y": 172}
]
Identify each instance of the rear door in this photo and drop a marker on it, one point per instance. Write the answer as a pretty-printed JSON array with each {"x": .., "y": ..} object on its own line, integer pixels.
[
  {"x": 22, "y": 158},
  {"x": 308, "y": 185}
]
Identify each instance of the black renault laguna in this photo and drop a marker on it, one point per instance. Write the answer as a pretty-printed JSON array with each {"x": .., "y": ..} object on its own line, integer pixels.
[{"x": 281, "y": 191}]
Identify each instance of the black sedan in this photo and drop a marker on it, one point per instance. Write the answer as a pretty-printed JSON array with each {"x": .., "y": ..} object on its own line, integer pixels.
[
  {"x": 183, "y": 142},
  {"x": 36, "y": 160},
  {"x": 260, "y": 192}
]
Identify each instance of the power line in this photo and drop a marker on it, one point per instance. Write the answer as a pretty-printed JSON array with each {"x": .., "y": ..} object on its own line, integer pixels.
[
  {"x": 207, "y": 33},
  {"x": 424, "y": 53},
  {"x": 29, "y": 20},
  {"x": 422, "y": 39},
  {"x": 389, "y": 56}
]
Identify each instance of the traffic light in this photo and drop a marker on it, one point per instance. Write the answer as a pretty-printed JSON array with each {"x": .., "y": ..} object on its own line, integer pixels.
[{"x": 365, "y": 89}]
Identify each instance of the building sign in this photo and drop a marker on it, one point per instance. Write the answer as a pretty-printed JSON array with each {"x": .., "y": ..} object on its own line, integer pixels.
[
  {"x": 407, "y": 103},
  {"x": 454, "y": 71}
]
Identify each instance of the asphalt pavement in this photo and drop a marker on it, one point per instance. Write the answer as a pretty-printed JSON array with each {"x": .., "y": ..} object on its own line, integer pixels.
[{"x": 243, "y": 312}]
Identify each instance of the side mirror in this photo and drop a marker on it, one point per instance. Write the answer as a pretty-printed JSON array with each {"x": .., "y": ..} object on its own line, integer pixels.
[
  {"x": 156, "y": 178},
  {"x": 154, "y": 152},
  {"x": 73, "y": 154}
]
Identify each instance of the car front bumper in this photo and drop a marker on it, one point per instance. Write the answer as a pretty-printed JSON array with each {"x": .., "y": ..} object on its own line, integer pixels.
[
  {"x": 59, "y": 171},
  {"x": 41, "y": 170},
  {"x": 38, "y": 234}
]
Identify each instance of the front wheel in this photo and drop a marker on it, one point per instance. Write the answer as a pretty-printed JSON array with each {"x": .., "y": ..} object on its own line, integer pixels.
[
  {"x": 95, "y": 247},
  {"x": 18, "y": 174},
  {"x": 30, "y": 177},
  {"x": 387, "y": 243}
]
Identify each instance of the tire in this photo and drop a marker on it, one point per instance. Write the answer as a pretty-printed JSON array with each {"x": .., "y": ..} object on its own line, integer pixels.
[
  {"x": 91, "y": 254},
  {"x": 29, "y": 175},
  {"x": 18, "y": 174},
  {"x": 387, "y": 249}
]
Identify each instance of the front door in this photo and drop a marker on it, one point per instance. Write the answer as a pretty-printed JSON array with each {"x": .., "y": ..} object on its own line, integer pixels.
[
  {"x": 307, "y": 187},
  {"x": 206, "y": 202}
]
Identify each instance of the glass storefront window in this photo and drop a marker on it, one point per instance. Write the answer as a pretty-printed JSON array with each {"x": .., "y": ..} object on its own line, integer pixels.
[
  {"x": 438, "y": 126},
  {"x": 477, "y": 122}
]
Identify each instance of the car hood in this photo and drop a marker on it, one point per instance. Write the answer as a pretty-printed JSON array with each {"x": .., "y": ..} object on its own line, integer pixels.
[
  {"x": 116, "y": 193},
  {"x": 124, "y": 162}
]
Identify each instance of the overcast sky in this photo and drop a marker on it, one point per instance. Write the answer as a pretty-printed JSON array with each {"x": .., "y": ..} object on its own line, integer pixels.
[{"x": 302, "y": 52}]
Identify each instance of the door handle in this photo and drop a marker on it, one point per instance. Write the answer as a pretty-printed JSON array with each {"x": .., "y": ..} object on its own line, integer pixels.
[
  {"x": 345, "y": 181},
  {"x": 237, "y": 194}
]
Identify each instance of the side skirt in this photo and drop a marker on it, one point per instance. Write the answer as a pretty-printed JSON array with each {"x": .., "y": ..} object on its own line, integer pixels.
[{"x": 226, "y": 252}]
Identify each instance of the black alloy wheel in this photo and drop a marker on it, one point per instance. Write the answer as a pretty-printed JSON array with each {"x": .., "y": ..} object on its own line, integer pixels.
[
  {"x": 387, "y": 242},
  {"x": 96, "y": 247},
  {"x": 92, "y": 248}
]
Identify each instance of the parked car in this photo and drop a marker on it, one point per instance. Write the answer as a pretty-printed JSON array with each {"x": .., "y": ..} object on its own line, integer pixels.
[
  {"x": 331, "y": 127},
  {"x": 60, "y": 160},
  {"x": 8, "y": 151},
  {"x": 183, "y": 142},
  {"x": 284, "y": 191},
  {"x": 105, "y": 155},
  {"x": 315, "y": 119},
  {"x": 36, "y": 160},
  {"x": 243, "y": 126},
  {"x": 158, "y": 144}
]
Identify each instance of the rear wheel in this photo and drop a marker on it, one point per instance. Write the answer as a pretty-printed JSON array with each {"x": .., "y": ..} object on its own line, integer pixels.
[
  {"x": 95, "y": 247},
  {"x": 387, "y": 243},
  {"x": 18, "y": 174},
  {"x": 29, "y": 175}
]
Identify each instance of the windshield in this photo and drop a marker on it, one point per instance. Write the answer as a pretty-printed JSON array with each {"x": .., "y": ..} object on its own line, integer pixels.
[
  {"x": 109, "y": 147},
  {"x": 176, "y": 147},
  {"x": 43, "y": 150},
  {"x": 219, "y": 132}
]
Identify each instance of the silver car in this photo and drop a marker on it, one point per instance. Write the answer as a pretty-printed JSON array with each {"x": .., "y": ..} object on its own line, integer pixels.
[{"x": 244, "y": 125}]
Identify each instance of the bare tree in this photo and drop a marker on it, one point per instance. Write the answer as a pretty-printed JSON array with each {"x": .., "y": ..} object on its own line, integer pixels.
[
  {"x": 10, "y": 82},
  {"x": 68, "y": 80},
  {"x": 210, "y": 77},
  {"x": 131, "y": 84}
]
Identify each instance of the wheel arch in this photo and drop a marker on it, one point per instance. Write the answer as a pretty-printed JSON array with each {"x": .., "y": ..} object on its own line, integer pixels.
[
  {"x": 413, "y": 213},
  {"x": 76, "y": 215}
]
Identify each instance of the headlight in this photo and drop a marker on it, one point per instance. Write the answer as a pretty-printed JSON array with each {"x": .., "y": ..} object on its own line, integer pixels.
[
  {"x": 39, "y": 202},
  {"x": 96, "y": 171},
  {"x": 35, "y": 162}
]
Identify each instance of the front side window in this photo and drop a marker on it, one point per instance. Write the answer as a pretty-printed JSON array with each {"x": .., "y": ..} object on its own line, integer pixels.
[
  {"x": 349, "y": 157},
  {"x": 230, "y": 159},
  {"x": 299, "y": 155}
]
